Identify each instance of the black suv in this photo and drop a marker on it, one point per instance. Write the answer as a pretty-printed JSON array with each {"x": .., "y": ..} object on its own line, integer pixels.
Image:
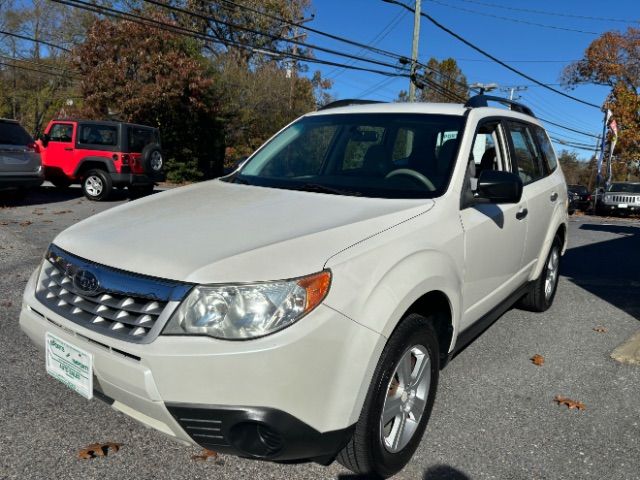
[{"x": 582, "y": 197}]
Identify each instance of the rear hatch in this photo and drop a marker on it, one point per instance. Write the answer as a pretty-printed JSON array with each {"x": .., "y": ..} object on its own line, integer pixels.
[
  {"x": 17, "y": 150},
  {"x": 137, "y": 138}
]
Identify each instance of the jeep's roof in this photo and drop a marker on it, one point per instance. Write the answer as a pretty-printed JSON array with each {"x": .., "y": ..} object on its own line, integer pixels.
[
  {"x": 426, "y": 108},
  {"x": 101, "y": 122}
]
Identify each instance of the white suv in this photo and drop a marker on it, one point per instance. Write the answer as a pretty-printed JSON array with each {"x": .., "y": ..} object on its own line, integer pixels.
[{"x": 302, "y": 307}]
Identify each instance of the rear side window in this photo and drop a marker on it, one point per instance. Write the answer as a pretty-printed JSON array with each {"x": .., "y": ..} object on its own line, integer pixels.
[
  {"x": 526, "y": 153},
  {"x": 138, "y": 138},
  {"x": 105, "y": 135},
  {"x": 13, "y": 134},
  {"x": 547, "y": 150},
  {"x": 61, "y": 132}
]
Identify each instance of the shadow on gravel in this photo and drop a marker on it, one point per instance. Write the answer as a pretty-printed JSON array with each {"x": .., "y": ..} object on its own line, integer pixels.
[
  {"x": 50, "y": 195},
  {"x": 439, "y": 472},
  {"x": 609, "y": 269}
]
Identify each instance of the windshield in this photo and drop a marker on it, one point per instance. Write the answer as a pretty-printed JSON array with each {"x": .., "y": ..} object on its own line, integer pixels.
[
  {"x": 625, "y": 187},
  {"x": 372, "y": 155},
  {"x": 581, "y": 189}
]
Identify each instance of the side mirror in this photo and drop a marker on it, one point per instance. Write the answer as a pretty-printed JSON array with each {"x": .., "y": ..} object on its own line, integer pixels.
[
  {"x": 499, "y": 187},
  {"x": 44, "y": 139}
]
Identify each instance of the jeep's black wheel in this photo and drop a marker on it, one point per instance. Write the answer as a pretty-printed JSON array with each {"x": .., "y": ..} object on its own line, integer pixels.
[
  {"x": 152, "y": 158},
  {"x": 398, "y": 403},
  {"x": 60, "y": 182},
  {"x": 543, "y": 291},
  {"x": 139, "y": 191},
  {"x": 96, "y": 185}
]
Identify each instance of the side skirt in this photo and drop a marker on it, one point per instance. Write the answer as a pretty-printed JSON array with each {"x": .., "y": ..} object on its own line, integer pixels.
[{"x": 476, "y": 329}]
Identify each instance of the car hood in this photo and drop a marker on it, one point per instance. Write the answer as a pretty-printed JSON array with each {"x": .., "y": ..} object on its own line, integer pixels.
[{"x": 217, "y": 232}]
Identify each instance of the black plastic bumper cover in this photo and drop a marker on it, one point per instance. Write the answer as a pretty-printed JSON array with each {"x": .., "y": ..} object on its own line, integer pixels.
[
  {"x": 258, "y": 432},
  {"x": 134, "y": 179},
  {"x": 20, "y": 181}
]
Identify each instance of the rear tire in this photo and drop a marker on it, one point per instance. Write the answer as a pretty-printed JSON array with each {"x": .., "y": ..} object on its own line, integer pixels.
[
  {"x": 398, "y": 403},
  {"x": 96, "y": 185},
  {"x": 541, "y": 295}
]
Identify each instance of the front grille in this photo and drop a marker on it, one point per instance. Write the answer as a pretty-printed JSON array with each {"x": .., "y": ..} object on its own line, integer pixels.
[
  {"x": 120, "y": 304},
  {"x": 623, "y": 198}
]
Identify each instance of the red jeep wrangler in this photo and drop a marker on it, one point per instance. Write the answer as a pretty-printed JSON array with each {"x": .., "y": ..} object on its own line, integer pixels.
[{"x": 102, "y": 155}]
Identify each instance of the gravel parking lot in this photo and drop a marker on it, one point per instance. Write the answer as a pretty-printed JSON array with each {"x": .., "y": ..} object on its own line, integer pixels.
[{"x": 494, "y": 416}]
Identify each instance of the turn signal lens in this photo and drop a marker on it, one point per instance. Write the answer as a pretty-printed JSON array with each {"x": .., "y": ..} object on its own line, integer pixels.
[{"x": 317, "y": 287}]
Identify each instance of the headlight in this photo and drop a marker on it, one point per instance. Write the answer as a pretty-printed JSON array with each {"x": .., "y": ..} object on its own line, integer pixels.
[{"x": 236, "y": 312}]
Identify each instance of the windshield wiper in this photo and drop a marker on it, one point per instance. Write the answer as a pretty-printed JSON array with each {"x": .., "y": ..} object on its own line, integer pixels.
[{"x": 317, "y": 187}]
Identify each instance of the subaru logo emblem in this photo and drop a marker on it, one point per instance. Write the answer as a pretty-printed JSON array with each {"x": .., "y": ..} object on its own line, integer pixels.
[{"x": 86, "y": 282}]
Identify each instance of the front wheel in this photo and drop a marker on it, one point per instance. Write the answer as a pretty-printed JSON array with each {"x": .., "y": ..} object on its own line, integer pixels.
[
  {"x": 543, "y": 291},
  {"x": 399, "y": 402},
  {"x": 96, "y": 185}
]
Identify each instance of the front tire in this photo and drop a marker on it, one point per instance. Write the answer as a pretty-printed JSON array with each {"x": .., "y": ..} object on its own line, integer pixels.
[
  {"x": 541, "y": 295},
  {"x": 398, "y": 403},
  {"x": 96, "y": 185}
]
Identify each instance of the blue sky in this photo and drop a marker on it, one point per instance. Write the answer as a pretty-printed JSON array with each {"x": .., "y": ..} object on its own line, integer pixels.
[{"x": 536, "y": 50}]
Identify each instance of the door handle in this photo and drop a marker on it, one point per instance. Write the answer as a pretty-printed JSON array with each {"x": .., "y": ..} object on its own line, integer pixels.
[
  {"x": 68, "y": 149},
  {"x": 520, "y": 214},
  {"x": 554, "y": 197}
]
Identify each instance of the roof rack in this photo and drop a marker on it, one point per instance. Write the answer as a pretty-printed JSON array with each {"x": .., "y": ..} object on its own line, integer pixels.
[
  {"x": 347, "y": 102},
  {"x": 482, "y": 101}
]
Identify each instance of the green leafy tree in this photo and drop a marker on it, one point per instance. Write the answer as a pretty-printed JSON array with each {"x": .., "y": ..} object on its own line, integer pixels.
[{"x": 159, "y": 79}]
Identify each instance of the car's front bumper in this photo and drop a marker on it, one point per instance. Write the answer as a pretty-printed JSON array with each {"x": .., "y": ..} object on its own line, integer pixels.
[{"x": 303, "y": 386}]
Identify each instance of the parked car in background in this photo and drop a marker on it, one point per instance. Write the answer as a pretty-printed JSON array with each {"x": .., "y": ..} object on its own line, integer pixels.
[
  {"x": 20, "y": 163},
  {"x": 102, "y": 155},
  {"x": 302, "y": 307},
  {"x": 621, "y": 198},
  {"x": 582, "y": 197},
  {"x": 573, "y": 199}
]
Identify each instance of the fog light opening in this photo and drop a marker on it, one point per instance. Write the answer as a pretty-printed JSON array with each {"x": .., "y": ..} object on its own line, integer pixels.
[{"x": 256, "y": 439}]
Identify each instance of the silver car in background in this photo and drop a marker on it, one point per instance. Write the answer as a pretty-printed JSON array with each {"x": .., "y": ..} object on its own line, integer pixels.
[{"x": 20, "y": 164}]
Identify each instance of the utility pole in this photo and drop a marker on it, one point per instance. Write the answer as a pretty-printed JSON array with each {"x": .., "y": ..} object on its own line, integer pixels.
[
  {"x": 513, "y": 90},
  {"x": 291, "y": 71},
  {"x": 414, "y": 51}
]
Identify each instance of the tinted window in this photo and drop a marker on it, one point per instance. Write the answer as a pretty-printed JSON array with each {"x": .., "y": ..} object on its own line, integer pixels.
[
  {"x": 374, "y": 155},
  {"x": 61, "y": 132},
  {"x": 140, "y": 138},
  {"x": 526, "y": 153},
  {"x": 547, "y": 148},
  {"x": 106, "y": 135},
  {"x": 13, "y": 134},
  {"x": 625, "y": 187}
]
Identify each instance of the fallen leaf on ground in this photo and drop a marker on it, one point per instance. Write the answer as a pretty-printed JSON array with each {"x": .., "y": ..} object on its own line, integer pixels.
[
  {"x": 98, "y": 450},
  {"x": 26, "y": 223},
  {"x": 560, "y": 400},
  {"x": 5, "y": 304},
  {"x": 61, "y": 212},
  {"x": 205, "y": 455},
  {"x": 537, "y": 360},
  {"x": 600, "y": 329}
]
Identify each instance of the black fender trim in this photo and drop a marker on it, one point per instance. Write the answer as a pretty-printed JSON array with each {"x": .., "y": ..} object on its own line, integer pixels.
[
  {"x": 106, "y": 162},
  {"x": 258, "y": 432}
]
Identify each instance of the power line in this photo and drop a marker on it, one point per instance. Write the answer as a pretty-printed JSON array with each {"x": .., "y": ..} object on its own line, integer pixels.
[
  {"x": 31, "y": 62},
  {"x": 293, "y": 41},
  {"x": 29, "y": 39},
  {"x": 488, "y": 55},
  {"x": 53, "y": 74},
  {"x": 114, "y": 13},
  {"x": 374, "y": 41},
  {"x": 509, "y": 19},
  {"x": 553, "y": 14}
]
